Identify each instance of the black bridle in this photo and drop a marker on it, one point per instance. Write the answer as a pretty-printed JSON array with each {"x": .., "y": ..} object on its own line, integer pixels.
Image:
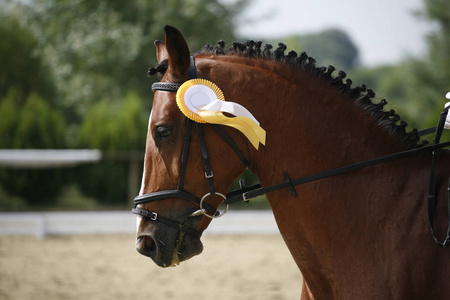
[
  {"x": 250, "y": 192},
  {"x": 179, "y": 192}
]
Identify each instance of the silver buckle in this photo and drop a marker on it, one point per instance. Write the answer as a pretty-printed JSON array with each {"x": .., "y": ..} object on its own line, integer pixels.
[
  {"x": 210, "y": 175},
  {"x": 244, "y": 197},
  {"x": 154, "y": 216}
]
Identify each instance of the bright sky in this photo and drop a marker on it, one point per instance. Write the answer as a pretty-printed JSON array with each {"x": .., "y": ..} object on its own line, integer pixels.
[{"x": 385, "y": 31}]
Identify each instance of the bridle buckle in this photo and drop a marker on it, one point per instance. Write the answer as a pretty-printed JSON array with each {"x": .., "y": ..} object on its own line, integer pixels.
[{"x": 244, "y": 197}]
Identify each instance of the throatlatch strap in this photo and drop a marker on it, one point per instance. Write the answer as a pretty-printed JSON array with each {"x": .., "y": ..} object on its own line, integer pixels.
[
  {"x": 208, "y": 172},
  {"x": 232, "y": 144}
]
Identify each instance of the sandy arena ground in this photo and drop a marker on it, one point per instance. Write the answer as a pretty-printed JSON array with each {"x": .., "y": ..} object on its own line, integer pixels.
[{"x": 108, "y": 267}]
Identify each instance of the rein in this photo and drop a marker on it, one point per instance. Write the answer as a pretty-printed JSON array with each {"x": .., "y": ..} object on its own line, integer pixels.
[
  {"x": 247, "y": 193},
  {"x": 250, "y": 192}
]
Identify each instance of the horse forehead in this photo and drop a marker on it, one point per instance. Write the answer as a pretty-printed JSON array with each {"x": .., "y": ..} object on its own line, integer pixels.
[{"x": 165, "y": 107}]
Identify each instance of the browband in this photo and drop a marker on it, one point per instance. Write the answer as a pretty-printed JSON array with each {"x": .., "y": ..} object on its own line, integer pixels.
[
  {"x": 165, "y": 86},
  {"x": 173, "y": 87}
]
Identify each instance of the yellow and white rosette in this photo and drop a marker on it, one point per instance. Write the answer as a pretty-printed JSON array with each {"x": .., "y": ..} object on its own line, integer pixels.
[{"x": 202, "y": 101}]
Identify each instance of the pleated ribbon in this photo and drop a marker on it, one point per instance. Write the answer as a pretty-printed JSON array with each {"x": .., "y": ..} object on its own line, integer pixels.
[{"x": 202, "y": 101}]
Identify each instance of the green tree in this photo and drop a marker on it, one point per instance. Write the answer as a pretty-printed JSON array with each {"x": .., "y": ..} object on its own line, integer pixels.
[
  {"x": 417, "y": 86},
  {"x": 113, "y": 128},
  {"x": 96, "y": 52},
  {"x": 332, "y": 46},
  {"x": 22, "y": 69},
  {"x": 40, "y": 126},
  {"x": 131, "y": 124},
  {"x": 389, "y": 82},
  {"x": 37, "y": 126},
  {"x": 8, "y": 119},
  {"x": 429, "y": 79},
  {"x": 101, "y": 49}
]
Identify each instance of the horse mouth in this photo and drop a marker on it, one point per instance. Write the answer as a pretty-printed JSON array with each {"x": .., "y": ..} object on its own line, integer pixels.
[{"x": 166, "y": 246}]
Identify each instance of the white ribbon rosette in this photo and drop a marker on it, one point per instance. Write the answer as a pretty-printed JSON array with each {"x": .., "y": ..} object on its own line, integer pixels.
[{"x": 202, "y": 101}]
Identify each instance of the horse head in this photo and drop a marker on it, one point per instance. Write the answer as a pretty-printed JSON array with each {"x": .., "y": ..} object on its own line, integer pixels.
[{"x": 187, "y": 167}]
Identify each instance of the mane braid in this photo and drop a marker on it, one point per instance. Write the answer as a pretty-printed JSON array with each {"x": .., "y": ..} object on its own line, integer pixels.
[{"x": 360, "y": 94}]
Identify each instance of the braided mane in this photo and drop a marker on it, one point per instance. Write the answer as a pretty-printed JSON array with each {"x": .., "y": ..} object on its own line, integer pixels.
[{"x": 361, "y": 95}]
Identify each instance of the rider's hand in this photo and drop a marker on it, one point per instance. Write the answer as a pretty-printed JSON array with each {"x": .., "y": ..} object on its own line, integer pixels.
[{"x": 447, "y": 121}]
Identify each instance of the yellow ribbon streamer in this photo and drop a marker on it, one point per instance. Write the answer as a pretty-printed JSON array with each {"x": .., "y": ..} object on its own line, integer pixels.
[
  {"x": 203, "y": 101},
  {"x": 247, "y": 126}
]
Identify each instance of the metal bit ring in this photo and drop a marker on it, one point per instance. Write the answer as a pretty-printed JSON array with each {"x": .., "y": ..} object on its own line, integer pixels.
[{"x": 204, "y": 210}]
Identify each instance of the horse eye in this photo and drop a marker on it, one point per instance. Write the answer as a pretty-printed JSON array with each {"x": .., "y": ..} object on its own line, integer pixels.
[{"x": 163, "y": 132}]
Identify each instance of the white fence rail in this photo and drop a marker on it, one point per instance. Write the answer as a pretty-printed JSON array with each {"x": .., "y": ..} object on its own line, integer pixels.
[
  {"x": 44, "y": 158},
  {"x": 43, "y": 224}
]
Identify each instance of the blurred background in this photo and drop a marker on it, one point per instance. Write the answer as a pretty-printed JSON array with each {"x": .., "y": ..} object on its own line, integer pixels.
[
  {"x": 73, "y": 79},
  {"x": 72, "y": 76}
]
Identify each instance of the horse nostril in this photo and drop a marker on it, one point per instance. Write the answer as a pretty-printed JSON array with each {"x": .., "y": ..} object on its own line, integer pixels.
[{"x": 145, "y": 245}]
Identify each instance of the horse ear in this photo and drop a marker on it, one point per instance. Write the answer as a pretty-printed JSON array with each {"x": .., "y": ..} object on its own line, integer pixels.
[
  {"x": 161, "y": 51},
  {"x": 178, "y": 52}
]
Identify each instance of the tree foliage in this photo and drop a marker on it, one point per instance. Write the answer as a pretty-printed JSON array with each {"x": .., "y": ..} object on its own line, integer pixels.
[
  {"x": 430, "y": 76},
  {"x": 36, "y": 126},
  {"x": 73, "y": 75},
  {"x": 88, "y": 59},
  {"x": 101, "y": 49},
  {"x": 417, "y": 86},
  {"x": 22, "y": 69},
  {"x": 9, "y": 118},
  {"x": 332, "y": 46},
  {"x": 115, "y": 127},
  {"x": 39, "y": 126}
]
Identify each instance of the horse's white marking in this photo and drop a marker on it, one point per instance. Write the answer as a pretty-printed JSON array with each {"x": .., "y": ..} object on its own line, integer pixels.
[
  {"x": 141, "y": 191},
  {"x": 143, "y": 173},
  {"x": 138, "y": 221}
]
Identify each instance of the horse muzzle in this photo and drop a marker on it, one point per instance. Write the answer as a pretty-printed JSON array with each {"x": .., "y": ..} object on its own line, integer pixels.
[{"x": 166, "y": 245}]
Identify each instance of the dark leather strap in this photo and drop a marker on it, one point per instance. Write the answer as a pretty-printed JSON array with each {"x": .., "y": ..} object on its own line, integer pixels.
[
  {"x": 208, "y": 172},
  {"x": 179, "y": 194},
  {"x": 152, "y": 216},
  {"x": 192, "y": 72},
  {"x": 173, "y": 87},
  {"x": 232, "y": 144},
  {"x": 427, "y": 131},
  {"x": 256, "y": 190},
  {"x": 432, "y": 189}
]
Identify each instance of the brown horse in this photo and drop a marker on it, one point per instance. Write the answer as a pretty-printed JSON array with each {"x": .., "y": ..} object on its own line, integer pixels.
[{"x": 362, "y": 234}]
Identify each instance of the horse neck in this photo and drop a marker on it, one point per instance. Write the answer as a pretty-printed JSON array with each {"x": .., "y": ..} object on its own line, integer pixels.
[{"x": 310, "y": 125}]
